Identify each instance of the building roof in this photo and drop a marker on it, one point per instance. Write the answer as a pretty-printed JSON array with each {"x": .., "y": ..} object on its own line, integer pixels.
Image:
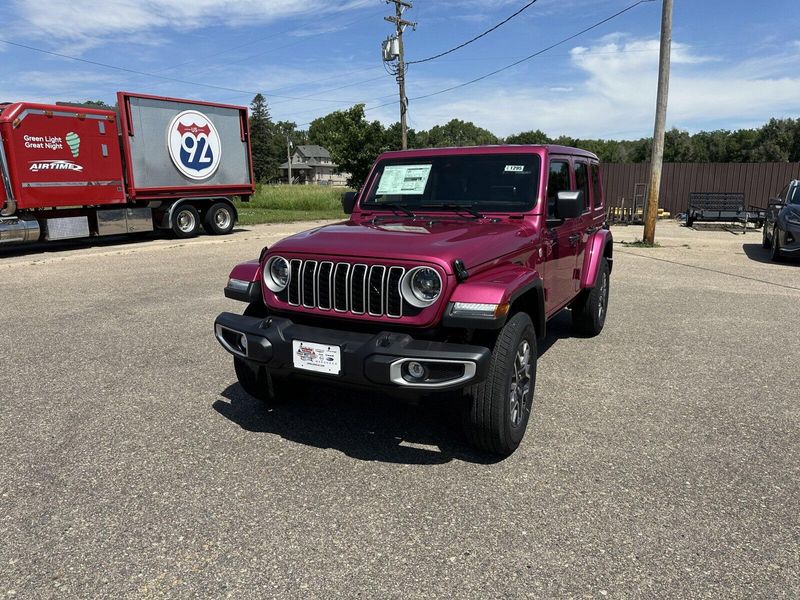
[{"x": 313, "y": 151}]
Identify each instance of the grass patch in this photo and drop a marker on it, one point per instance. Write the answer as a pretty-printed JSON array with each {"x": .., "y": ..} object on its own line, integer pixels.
[
  {"x": 289, "y": 203},
  {"x": 641, "y": 244}
]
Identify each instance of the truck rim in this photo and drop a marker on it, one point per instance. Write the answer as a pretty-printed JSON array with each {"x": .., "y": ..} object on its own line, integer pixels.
[
  {"x": 520, "y": 387},
  {"x": 186, "y": 222},
  {"x": 222, "y": 218}
]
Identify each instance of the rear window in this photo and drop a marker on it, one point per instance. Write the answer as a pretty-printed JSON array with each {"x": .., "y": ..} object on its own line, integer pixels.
[{"x": 485, "y": 182}]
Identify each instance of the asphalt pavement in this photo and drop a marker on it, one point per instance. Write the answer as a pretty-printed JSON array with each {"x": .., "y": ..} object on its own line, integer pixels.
[{"x": 662, "y": 458}]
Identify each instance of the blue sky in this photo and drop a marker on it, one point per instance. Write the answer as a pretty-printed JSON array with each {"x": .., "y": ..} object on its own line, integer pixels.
[{"x": 735, "y": 63}]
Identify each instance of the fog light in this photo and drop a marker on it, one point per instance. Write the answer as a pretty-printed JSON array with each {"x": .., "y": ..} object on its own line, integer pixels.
[{"x": 416, "y": 370}]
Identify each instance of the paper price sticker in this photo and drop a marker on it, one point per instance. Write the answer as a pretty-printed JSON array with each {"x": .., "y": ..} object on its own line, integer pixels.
[{"x": 401, "y": 180}]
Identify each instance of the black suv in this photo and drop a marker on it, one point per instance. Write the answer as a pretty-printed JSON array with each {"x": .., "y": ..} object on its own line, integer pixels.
[{"x": 782, "y": 225}]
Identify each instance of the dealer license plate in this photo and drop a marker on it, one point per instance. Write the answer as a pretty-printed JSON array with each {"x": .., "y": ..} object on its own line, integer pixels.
[{"x": 320, "y": 358}]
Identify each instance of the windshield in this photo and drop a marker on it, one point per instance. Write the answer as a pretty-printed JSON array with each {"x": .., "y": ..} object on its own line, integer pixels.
[{"x": 483, "y": 182}]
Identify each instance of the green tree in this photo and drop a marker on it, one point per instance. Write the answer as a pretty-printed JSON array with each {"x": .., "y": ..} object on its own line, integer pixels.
[
  {"x": 353, "y": 142},
  {"x": 394, "y": 140},
  {"x": 459, "y": 133},
  {"x": 775, "y": 141},
  {"x": 264, "y": 165},
  {"x": 535, "y": 137},
  {"x": 678, "y": 146}
]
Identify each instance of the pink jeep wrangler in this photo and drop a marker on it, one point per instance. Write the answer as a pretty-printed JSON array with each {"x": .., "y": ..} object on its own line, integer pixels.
[{"x": 442, "y": 280}]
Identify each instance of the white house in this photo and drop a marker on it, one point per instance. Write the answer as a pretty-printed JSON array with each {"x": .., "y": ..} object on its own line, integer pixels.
[{"x": 313, "y": 164}]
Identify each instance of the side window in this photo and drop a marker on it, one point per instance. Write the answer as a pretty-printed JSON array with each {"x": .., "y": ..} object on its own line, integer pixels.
[
  {"x": 794, "y": 195},
  {"x": 597, "y": 189},
  {"x": 558, "y": 181},
  {"x": 582, "y": 182}
]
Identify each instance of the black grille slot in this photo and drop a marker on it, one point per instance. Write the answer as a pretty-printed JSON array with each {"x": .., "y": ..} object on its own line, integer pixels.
[
  {"x": 375, "y": 292},
  {"x": 324, "y": 281},
  {"x": 358, "y": 287},
  {"x": 340, "y": 287},
  {"x": 394, "y": 301},
  {"x": 294, "y": 282},
  {"x": 309, "y": 269},
  {"x": 343, "y": 287}
]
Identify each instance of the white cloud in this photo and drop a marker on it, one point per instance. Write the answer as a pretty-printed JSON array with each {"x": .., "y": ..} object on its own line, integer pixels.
[
  {"x": 613, "y": 95},
  {"x": 79, "y": 20}
]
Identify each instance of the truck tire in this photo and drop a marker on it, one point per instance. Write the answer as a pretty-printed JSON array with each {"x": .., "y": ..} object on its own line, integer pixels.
[
  {"x": 496, "y": 410},
  {"x": 589, "y": 310},
  {"x": 764, "y": 239},
  {"x": 185, "y": 221},
  {"x": 219, "y": 219}
]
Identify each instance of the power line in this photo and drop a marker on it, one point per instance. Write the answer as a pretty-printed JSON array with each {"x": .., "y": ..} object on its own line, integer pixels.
[
  {"x": 476, "y": 38},
  {"x": 162, "y": 77},
  {"x": 530, "y": 56},
  {"x": 505, "y": 68}
]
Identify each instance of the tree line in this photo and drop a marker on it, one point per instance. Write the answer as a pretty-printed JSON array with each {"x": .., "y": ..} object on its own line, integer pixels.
[{"x": 354, "y": 141}]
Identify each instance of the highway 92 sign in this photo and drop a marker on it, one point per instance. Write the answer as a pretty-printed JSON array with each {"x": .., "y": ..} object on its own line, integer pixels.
[{"x": 194, "y": 145}]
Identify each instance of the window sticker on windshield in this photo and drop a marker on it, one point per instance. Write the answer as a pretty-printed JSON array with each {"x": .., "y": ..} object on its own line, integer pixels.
[
  {"x": 404, "y": 180},
  {"x": 514, "y": 169}
]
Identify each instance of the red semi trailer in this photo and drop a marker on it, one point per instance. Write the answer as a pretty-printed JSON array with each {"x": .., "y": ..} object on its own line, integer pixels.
[{"x": 155, "y": 163}]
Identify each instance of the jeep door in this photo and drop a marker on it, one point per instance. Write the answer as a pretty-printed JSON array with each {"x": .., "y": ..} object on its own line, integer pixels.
[
  {"x": 563, "y": 238},
  {"x": 585, "y": 221}
]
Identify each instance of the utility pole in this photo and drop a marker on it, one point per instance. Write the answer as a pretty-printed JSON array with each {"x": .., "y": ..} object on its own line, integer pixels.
[
  {"x": 390, "y": 52},
  {"x": 289, "y": 157},
  {"x": 657, "y": 159}
]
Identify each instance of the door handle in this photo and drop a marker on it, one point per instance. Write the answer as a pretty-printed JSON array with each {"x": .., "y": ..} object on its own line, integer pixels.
[{"x": 574, "y": 238}]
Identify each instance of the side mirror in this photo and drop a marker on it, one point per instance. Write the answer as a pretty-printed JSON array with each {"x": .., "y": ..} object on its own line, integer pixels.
[
  {"x": 776, "y": 202},
  {"x": 569, "y": 205},
  {"x": 348, "y": 202}
]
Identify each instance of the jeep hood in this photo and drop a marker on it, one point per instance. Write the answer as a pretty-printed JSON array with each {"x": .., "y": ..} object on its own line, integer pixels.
[{"x": 419, "y": 239}]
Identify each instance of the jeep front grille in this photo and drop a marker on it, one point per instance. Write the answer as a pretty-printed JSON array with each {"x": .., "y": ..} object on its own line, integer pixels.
[{"x": 343, "y": 287}]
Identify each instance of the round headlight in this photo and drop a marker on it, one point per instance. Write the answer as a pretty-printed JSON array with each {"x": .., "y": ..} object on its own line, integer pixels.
[
  {"x": 276, "y": 274},
  {"x": 421, "y": 286}
]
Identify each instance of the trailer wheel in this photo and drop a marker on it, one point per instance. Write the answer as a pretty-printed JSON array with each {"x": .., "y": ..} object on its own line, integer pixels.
[
  {"x": 219, "y": 219},
  {"x": 185, "y": 221}
]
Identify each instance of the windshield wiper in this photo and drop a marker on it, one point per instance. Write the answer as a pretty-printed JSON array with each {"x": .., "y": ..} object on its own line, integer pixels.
[
  {"x": 455, "y": 206},
  {"x": 392, "y": 206}
]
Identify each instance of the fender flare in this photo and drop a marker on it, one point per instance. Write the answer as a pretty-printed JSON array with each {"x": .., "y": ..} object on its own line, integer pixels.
[
  {"x": 500, "y": 285},
  {"x": 245, "y": 273},
  {"x": 600, "y": 244}
]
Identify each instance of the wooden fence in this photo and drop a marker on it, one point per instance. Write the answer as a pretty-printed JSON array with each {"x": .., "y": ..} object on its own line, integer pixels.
[{"x": 758, "y": 181}]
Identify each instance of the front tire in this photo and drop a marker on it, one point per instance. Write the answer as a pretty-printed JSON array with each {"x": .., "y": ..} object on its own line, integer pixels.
[
  {"x": 775, "y": 252},
  {"x": 185, "y": 221},
  {"x": 219, "y": 219},
  {"x": 589, "y": 311},
  {"x": 255, "y": 379},
  {"x": 497, "y": 410},
  {"x": 764, "y": 239}
]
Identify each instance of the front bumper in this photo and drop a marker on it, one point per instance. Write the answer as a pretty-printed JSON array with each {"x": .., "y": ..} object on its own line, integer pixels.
[
  {"x": 366, "y": 359},
  {"x": 790, "y": 239}
]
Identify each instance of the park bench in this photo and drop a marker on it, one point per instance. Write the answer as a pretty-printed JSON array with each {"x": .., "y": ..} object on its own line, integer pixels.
[{"x": 721, "y": 206}]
